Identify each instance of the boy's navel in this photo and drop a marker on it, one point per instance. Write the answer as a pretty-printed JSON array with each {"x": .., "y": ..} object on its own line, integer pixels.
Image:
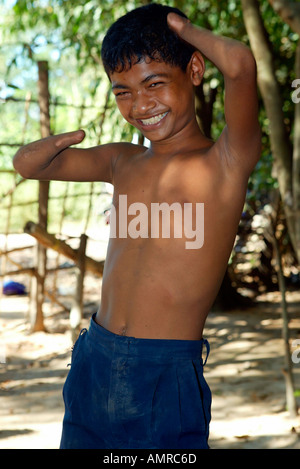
[{"x": 123, "y": 331}]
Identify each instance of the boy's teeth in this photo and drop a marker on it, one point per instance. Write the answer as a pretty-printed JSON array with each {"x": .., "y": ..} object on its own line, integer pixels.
[{"x": 153, "y": 120}]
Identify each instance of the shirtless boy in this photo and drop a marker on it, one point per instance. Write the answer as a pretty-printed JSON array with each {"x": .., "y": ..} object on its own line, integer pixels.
[{"x": 136, "y": 379}]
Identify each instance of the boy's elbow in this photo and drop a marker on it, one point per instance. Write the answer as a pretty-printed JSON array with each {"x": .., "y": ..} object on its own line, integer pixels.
[
  {"x": 247, "y": 62},
  {"x": 20, "y": 165},
  {"x": 243, "y": 63},
  {"x": 17, "y": 161}
]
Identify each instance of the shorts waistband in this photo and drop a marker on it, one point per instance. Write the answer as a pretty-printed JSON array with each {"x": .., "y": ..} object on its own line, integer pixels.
[{"x": 151, "y": 348}]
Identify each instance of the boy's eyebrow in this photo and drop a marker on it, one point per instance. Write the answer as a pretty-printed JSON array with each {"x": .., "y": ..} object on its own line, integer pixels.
[
  {"x": 118, "y": 86},
  {"x": 155, "y": 75},
  {"x": 146, "y": 80}
]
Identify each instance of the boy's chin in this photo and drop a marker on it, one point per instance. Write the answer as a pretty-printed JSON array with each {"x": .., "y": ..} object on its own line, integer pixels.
[{"x": 153, "y": 137}]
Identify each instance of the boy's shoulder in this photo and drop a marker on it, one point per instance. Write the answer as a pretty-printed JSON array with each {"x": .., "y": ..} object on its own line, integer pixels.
[
  {"x": 126, "y": 149},
  {"x": 119, "y": 150}
]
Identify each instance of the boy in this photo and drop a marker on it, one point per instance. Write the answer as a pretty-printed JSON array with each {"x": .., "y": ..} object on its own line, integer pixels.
[{"x": 136, "y": 379}]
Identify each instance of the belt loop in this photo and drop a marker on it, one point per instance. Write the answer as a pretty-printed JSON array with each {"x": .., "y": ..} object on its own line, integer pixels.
[{"x": 205, "y": 342}]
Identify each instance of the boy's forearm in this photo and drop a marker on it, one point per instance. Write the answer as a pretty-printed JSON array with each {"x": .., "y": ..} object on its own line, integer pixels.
[
  {"x": 231, "y": 57},
  {"x": 32, "y": 159},
  {"x": 228, "y": 55}
]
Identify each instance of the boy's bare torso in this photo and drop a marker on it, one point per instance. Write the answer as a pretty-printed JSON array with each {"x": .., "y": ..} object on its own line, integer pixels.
[{"x": 156, "y": 287}]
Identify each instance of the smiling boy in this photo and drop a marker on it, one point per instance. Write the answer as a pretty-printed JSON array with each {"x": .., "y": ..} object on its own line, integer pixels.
[{"x": 136, "y": 379}]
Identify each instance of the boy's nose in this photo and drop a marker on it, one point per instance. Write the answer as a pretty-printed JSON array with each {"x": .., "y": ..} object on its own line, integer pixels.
[{"x": 142, "y": 105}]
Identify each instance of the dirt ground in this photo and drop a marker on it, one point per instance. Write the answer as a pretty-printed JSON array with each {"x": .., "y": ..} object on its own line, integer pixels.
[{"x": 243, "y": 371}]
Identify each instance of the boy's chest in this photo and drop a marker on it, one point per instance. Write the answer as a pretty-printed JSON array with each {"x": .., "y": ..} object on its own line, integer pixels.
[{"x": 172, "y": 181}]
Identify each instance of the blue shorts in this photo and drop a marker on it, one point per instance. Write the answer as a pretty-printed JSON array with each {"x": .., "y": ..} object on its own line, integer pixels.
[{"x": 124, "y": 392}]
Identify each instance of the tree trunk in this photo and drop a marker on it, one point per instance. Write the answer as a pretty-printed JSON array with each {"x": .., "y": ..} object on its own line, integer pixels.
[
  {"x": 296, "y": 164},
  {"x": 290, "y": 13},
  {"x": 270, "y": 91},
  {"x": 288, "y": 366},
  {"x": 283, "y": 159},
  {"x": 291, "y": 402},
  {"x": 204, "y": 108}
]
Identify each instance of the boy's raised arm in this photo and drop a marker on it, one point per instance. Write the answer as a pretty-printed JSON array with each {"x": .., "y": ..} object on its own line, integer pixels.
[
  {"x": 53, "y": 158},
  {"x": 241, "y": 138}
]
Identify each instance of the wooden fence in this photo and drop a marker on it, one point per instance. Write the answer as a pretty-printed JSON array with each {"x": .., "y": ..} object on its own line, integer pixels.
[{"x": 38, "y": 229}]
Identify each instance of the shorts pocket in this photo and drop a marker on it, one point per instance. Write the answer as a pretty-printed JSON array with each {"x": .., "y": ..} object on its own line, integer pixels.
[
  {"x": 70, "y": 389},
  {"x": 195, "y": 400},
  {"x": 165, "y": 418}
]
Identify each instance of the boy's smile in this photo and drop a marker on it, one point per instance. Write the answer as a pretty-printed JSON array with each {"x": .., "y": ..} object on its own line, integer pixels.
[
  {"x": 153, "y": 120},
  {"x": 156, "y": 98}
]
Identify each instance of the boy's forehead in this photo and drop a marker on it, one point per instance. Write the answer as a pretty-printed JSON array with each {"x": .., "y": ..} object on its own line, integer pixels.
[{"x": 143, "y": 70}]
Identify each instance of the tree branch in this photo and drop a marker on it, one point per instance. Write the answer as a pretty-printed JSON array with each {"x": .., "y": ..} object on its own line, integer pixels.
[{"x": 289, "y": 12}]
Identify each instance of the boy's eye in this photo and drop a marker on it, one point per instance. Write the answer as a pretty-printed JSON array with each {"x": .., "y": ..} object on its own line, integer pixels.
[
  {"x": 121, "y": 94},
  {"x": 156, "y": 84}
]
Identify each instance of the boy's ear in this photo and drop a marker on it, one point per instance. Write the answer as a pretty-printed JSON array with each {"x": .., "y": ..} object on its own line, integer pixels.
[{"x": 196, "y": 68}]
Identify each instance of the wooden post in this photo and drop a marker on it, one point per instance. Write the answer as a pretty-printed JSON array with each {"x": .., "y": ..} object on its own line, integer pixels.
[
  {"x": 36, "y": 310},
  {"x": 50, "y": 241}
]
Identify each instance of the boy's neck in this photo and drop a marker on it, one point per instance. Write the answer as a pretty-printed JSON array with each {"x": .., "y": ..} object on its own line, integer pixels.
[{"x": 187, "y": 140}]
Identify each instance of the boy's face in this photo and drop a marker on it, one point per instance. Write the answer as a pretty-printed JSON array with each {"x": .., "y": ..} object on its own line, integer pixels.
[{"x": 156, "y": 98}]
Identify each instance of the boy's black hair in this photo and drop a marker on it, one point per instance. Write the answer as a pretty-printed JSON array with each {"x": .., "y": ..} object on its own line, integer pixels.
[{"x": 142, "y": 33}]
